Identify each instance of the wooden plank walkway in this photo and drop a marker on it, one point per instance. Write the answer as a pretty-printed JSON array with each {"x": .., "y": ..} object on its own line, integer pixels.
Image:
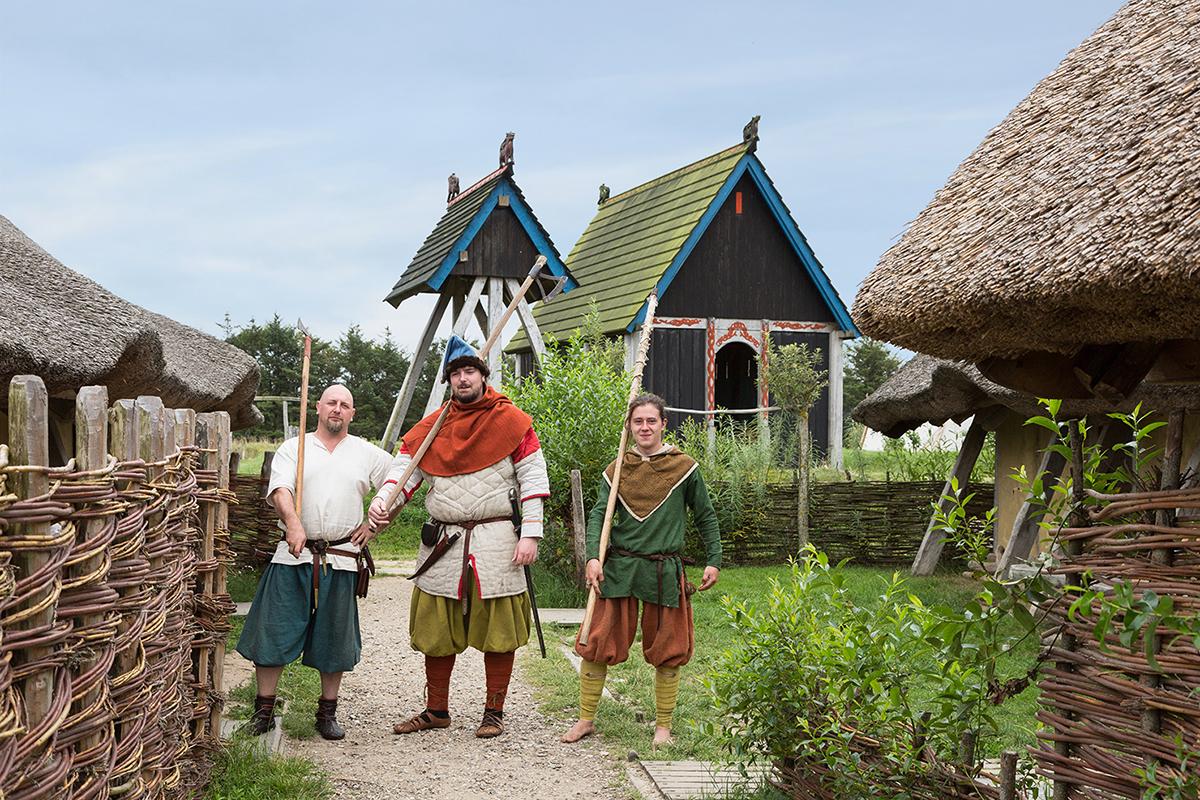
[{"x": 684, "y": 780}]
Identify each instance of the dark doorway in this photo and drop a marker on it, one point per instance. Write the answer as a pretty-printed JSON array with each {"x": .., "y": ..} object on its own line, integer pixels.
[{"x": 736, "y": 380}]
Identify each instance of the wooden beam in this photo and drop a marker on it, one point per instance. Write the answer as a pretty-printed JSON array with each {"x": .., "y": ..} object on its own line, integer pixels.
[
  {"x": 1025, "y": 533},
  {"x": 1114, "y": 371},
  {"x": 395, "y": 425},
  {"x": 931, "y": 546},
  {"x": 525, "y": 314}
]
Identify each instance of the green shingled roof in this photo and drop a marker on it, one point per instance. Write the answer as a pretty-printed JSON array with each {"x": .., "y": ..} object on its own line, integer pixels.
[{"x": 630, "y": 243}]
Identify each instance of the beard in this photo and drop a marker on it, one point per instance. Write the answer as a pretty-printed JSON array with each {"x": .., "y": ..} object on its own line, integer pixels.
[
  {"x": 335, "y": 426},
  {"x": 468, "y": 395}
]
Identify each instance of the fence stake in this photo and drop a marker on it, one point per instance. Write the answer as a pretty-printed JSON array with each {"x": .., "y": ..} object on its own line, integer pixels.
[
  {"x": 29, "y": 444},
  {"x": 91, "y": 453},
  {"x": 1008, "y": 775}
]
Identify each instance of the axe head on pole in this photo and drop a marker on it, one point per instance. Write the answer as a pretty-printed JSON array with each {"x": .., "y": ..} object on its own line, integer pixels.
[
  {"x": 302, "y": 329},
  {"x": 536, "y": 274}
]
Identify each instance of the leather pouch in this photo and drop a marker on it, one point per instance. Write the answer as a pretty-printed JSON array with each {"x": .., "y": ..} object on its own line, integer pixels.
[
  {"x": 366, "y": 568},
  {"x": 431, "y": 531}
]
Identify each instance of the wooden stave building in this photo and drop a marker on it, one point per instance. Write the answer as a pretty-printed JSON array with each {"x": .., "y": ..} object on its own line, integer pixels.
[
  {"x": 707, "y": 232},
  {"x": 483, "y": 246}
]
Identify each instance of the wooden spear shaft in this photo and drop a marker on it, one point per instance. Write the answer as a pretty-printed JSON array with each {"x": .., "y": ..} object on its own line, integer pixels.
[
  {"x": 635, "y": 387},
  {"x": 303, "y": 420},
  {"x": 491, "y": 340}
]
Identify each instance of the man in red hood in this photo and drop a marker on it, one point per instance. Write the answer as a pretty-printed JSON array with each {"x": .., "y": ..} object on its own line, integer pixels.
[{"x": 470, "y": 586}]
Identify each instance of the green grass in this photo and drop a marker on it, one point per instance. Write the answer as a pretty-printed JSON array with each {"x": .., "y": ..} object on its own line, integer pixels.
[
  {"x": 251, "y": 452},
  {"x": 242, "y": 770},
  {"x": 634, "y": 680}
]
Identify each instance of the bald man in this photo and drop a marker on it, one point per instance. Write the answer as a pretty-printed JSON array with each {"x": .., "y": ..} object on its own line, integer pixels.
[{"x": 306, "y": 603}]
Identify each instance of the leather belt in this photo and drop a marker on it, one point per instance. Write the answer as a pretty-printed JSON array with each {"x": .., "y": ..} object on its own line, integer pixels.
[
  {"x": 660, "y": 558},
  {"x": 468, "y": 526},
  {"x": 321, "y": 548}
]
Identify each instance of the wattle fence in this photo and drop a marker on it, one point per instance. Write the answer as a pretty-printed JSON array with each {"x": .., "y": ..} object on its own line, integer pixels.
[
  {"x": 113, "y": 608},
  {"x": 873, "y": 523}
]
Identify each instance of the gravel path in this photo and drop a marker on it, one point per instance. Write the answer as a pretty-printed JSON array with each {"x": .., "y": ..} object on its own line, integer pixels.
[{"x": 387, "y": 686}]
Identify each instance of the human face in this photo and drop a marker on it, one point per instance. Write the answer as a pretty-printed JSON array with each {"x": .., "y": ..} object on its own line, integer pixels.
[
  {"x": 466, "y": 384},
  {"x": 335, "y": 410},
  {"x": 647, "y": 427}
]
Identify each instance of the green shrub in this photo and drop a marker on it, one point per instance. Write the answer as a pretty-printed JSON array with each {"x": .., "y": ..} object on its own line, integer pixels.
[{"x": 577, "y": 401}]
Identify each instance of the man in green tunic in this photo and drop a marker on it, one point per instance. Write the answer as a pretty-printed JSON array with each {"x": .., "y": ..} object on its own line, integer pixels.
[{"x": 659, "y": 484}]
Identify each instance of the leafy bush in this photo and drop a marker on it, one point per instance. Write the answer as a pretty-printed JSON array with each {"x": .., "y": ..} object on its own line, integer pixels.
[
  {"x": 813, "y": 675},
  {"x": 577, "y": 401}
]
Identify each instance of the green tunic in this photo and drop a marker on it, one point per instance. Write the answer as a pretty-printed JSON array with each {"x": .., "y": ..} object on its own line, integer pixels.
[{"x": 660, "y": 532}]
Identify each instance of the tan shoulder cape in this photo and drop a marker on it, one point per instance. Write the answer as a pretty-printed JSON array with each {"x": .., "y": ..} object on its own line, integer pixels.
[{"x": 646, "y": 483}]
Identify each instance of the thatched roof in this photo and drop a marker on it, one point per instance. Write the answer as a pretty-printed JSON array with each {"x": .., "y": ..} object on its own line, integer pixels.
[
  {"x": 933, "y": 390},
  {"x": 1075, "y": 224},
  {"x": 72, "y": 332}
]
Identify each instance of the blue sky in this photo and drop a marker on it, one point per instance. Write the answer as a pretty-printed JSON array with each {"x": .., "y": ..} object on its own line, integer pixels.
[{"x": 252, "y": 158}]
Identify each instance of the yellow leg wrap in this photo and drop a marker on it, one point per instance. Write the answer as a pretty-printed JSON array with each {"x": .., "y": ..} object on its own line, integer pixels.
[
  {"x": 666, "y": 694},
  {"x": 591, "y": 686}
]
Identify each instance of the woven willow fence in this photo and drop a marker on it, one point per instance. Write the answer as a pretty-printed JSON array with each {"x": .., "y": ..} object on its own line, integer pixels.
[
  {"x": 876, "y": 523},
  {"x": 113, "y": 611},
  {"x": 1107, "y": 711}
]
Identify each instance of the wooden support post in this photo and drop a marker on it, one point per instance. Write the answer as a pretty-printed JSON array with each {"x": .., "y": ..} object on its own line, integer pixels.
[
  {"x": 835, "y": 397},
  {"x": 931, "y": 546},
  {"x": 579, "y": 528},
  {"x": 29, "y": 445},
  {"x": 495, "y": 311},
  {"x": 91, "y": 453},
  {"x": 1026, "y": 530},
  {"x": 1008, "y": 775},
  {"x": 213, "y": 439},
  {"x": 395, "y": 426},
  {"x": 1151, "y": 718},
  {"x": 1074, "y": 549}
]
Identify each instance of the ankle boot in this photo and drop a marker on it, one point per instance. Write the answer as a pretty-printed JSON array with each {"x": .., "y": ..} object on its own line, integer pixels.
[
  {"x": 263, "y": 718},
  {"x": 327, "y": 720}
]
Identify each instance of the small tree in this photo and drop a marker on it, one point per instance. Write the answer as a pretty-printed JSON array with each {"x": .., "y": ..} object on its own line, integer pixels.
[
  {"x": 796, "y": 380},
  {"x": 868, "y": 364}
]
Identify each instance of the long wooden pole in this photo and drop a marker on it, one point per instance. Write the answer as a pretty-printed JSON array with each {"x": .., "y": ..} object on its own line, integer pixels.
[
  {"x": 635, "y": 387},
  {"x": 491, "y": 340},
  {"x": 303, "y": 420}
]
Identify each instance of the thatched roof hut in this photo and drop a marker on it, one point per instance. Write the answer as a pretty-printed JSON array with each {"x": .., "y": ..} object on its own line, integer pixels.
[
  {"x": 72, "y": 332},
  {"x": 1063, "y": 256},
  {"x": 934, "y": 390}
]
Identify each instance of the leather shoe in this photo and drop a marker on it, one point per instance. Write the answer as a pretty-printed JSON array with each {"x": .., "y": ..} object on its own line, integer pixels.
[
  {"x": 327, "y": 720},
  {"x": 492, "y": 725},
  {"x": 420, "y": 722},
  {"x": 263, "y": 718}
]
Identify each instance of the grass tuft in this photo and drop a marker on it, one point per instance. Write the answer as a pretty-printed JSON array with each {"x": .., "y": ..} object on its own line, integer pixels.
[{"x": 243, "y": 770}]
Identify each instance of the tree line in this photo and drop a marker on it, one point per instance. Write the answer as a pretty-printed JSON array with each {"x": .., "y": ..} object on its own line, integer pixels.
[{"x": 374, "y": 371}]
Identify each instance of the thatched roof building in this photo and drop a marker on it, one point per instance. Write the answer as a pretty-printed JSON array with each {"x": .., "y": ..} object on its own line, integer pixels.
[
  {"x": 72, "y": 332},
  {"x": 1063, "y": 256},
  {"x": 934, "y": 390}
]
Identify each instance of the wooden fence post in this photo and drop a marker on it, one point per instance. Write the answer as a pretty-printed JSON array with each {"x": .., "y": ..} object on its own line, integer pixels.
[
  {"x": 212, "y": 437},
  {"x": 29, "y": 444},
  {"x": 91, "y": 453}
]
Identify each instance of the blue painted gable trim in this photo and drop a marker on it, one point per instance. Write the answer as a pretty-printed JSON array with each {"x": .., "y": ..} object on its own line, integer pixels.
[
  {"x": 527, "y": 222},
  {"x": 749, "y": 163}
]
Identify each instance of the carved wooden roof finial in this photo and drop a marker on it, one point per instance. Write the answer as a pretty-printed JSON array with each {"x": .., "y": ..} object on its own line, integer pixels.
[
  {"x": 506, "y": 149},
  {"x": 452, "y": 190}
]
